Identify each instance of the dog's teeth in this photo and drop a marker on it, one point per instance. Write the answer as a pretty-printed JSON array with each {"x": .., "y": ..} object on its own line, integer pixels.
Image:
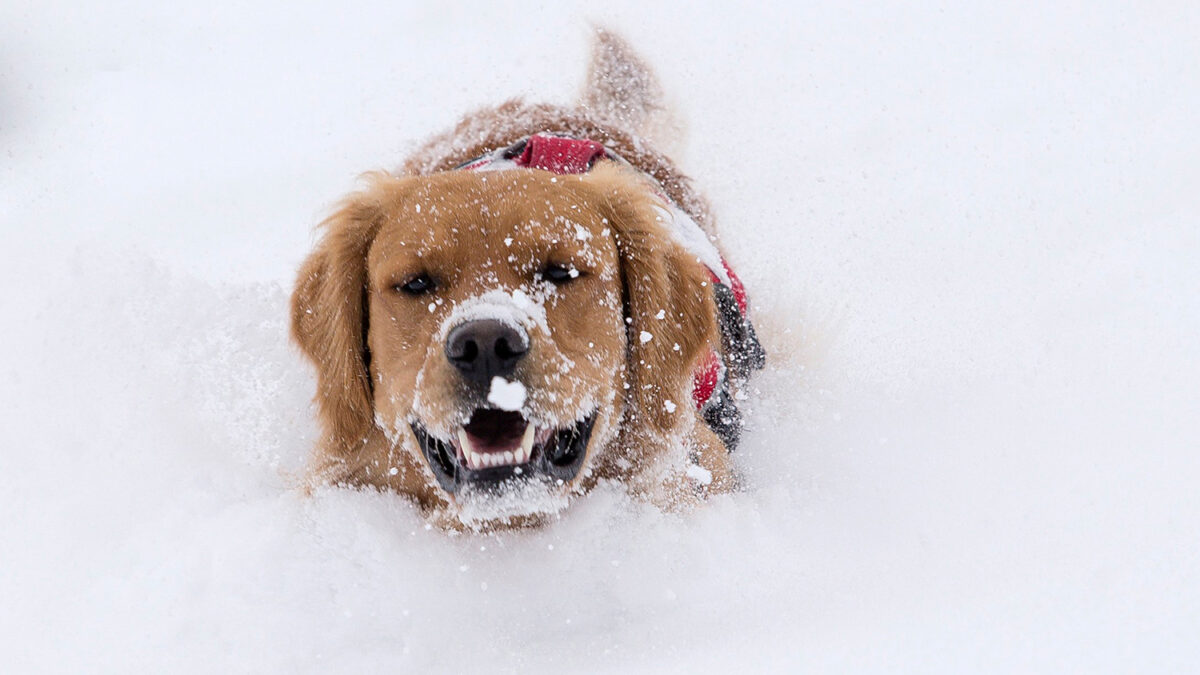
[
  {"x": 526, "y": 449},
  {"x": 468, "y": 450},
  {"x": 464, "y": 443},
  {"x": 476, "y": 459}
]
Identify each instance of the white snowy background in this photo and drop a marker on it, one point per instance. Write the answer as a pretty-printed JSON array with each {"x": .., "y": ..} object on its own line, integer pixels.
[{"x": 970, "y": 235}]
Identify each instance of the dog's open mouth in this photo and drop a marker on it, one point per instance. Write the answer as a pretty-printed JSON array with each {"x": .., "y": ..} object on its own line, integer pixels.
[{"x": 498, "y": 445}]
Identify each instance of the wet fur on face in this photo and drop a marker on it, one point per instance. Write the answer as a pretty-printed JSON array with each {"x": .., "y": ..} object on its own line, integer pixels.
[{"x": 478, "y": 237}]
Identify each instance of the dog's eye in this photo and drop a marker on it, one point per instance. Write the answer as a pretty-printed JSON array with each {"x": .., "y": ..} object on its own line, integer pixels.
[
  {"x": 559, "y": 274},
  {"x": 416, "y": 286}
]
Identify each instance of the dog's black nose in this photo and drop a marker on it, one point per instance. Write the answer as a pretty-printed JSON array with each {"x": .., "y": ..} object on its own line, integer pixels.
[{"x": 485, "y": 348}]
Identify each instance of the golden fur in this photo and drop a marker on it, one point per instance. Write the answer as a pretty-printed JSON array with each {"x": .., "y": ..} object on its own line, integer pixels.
[{"x": 379, "y": 353}]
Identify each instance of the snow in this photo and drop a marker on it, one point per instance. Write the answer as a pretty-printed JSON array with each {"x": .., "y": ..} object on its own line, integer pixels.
[
  {"x": 693, "y": 239},
  {"x": 969, "y": 234},
  {"x": 518, "y": 500},
  {"x": 506, "y": 395},
  {"x": 699, "y": 474},
  {"x": 514, "y": 308}
]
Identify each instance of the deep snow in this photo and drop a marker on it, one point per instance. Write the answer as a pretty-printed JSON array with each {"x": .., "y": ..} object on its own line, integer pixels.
[{"x": 970, "y": 236}]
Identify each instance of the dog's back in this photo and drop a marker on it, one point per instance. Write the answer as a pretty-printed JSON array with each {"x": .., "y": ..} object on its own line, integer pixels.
[{"x": 622, "y": 106}]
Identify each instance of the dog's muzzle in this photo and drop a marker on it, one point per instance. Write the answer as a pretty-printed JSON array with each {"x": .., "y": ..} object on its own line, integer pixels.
[{"x": 498, "y": 447}]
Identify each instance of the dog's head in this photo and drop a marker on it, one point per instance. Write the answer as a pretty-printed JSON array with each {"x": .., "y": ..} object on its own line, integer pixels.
[{"x": 511, "y": 328}]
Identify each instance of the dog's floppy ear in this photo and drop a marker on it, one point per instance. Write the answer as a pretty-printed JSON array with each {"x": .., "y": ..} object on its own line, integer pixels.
[
  {"x": 329, "y": 315},
  {"x": 668, "y": 296}
]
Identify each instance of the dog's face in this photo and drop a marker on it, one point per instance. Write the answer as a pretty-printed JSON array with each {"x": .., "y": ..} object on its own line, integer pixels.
[
  {"x": 501, "y": 329},
  {"x": 496, "y": 326}
]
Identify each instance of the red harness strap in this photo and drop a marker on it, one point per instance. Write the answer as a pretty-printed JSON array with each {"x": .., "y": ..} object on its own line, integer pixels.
[{"x": 560, "y": 155}]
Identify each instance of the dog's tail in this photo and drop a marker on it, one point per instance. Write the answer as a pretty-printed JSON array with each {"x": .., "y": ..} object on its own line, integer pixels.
[{"x": 623, "y": 91}]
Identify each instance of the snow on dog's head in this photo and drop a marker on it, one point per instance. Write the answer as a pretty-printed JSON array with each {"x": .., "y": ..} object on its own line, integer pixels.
[{"x": 469, "y": 341}]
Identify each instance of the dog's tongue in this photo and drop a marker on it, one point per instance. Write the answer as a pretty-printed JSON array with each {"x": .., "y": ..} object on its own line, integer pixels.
[{"x": 492, "y": 431}]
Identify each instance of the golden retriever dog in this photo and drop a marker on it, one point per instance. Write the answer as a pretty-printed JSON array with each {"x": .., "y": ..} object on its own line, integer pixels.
[{"x": 531, "y": 305}]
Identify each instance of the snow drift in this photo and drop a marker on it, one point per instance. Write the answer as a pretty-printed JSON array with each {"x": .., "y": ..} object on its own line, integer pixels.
[{"x": 969, "y": 236}]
